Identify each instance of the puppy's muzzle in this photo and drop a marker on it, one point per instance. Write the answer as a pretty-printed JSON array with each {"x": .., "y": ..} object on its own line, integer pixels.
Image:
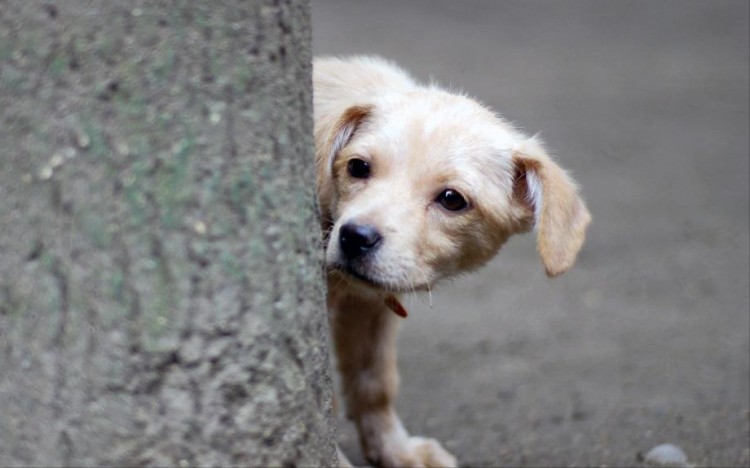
[{"x": 358, "y": 240}]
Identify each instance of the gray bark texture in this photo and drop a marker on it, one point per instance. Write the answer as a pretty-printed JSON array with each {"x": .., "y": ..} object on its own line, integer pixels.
[{"x": 161, "y": 291}]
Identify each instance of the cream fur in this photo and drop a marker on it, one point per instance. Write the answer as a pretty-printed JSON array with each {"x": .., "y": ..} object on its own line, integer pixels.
[{"x": 419, "y": 141}]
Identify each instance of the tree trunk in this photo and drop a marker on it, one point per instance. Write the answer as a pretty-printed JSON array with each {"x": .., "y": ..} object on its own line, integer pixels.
[{"x": 161, "y": 289}]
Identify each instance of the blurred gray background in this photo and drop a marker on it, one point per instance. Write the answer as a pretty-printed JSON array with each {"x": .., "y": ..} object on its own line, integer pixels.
[{"x": 646, "y": 340}]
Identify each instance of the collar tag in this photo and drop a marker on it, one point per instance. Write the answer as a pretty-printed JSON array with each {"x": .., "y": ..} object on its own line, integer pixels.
[{"x": 396, "y": 306}]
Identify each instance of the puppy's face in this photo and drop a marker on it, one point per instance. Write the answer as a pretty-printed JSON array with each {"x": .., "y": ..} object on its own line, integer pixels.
[{"x": 424, "y": 186}]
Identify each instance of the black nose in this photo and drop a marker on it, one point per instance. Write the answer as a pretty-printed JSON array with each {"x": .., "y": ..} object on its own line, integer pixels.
[{"x": 358, "y": 239}]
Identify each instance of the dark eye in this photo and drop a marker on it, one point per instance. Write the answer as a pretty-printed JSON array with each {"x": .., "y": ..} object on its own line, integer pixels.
[
  {"x": 452, "y": 200},
  {"x": 358, "y": 169}
]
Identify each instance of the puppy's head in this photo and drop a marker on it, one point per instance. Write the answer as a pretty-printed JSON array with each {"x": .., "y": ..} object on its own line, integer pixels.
[{"x": 420, "y": 186}]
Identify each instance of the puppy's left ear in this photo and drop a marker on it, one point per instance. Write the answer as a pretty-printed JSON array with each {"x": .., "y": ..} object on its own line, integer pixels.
[{"x": 551, "y": 197}]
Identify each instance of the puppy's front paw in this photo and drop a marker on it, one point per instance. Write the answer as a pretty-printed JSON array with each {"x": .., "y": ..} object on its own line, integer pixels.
[{"x": 418, "y": 452}]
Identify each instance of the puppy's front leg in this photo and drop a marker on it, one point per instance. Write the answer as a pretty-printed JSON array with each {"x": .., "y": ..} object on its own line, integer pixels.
[{"x": 365, "y": 337}]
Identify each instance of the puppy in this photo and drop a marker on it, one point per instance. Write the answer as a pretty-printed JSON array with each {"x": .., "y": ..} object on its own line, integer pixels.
[{"x": 417, "y": 184}]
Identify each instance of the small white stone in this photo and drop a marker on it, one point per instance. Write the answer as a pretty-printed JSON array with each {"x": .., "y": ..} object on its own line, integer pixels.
[{"x": 666, "y": 455}]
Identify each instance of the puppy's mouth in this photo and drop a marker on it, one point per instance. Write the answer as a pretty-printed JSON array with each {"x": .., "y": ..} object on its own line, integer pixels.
[{"x": 352, "y": 273}]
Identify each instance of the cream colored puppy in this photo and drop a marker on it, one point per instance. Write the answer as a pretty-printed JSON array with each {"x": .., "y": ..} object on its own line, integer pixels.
[{"x": 417, "y": 184}]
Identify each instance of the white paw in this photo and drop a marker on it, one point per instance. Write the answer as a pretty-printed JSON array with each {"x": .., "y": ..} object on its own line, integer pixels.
[{"x": 418, "y": 452}]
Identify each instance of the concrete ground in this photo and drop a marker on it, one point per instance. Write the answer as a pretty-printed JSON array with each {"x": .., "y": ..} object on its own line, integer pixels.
[{"x": 646, "y": 340}]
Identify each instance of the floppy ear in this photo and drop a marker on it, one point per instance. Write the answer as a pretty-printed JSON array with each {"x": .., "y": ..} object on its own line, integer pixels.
[
  {"x": 338, "y": 133},
  {"x": 560, "y": 216},
  {"x": 332, "y": 133}
]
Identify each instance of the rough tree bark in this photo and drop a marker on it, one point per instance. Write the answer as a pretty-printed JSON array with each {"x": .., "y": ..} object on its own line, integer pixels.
[{"x": 161, "y": 296}]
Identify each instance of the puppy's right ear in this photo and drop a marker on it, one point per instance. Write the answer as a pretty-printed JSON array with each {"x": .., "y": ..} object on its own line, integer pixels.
[
  {"x": 559, "y": 214},
  {"x": 342, "y": 132},
  {"x": 331, "y": 136}
]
